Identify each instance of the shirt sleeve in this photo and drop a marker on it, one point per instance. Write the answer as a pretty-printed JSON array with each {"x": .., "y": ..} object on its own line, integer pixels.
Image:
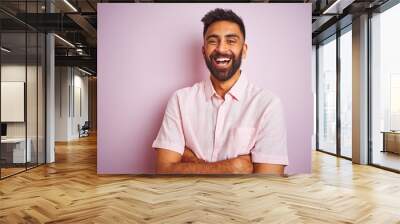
[
  {"x": 270, "y": 146},
  {"x": 170, "y": 135}
]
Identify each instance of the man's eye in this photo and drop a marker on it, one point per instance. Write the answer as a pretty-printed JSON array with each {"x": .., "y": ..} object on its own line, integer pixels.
[
  {"x": 231, "y": 41},
  {"x": 212, "y": 42}
]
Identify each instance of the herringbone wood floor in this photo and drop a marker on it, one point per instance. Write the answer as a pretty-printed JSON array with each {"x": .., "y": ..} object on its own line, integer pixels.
[{"x": 70, "y": 191}]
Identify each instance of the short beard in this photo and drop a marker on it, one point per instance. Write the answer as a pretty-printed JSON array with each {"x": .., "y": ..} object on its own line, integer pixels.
[{"x": 224, "y": 76}]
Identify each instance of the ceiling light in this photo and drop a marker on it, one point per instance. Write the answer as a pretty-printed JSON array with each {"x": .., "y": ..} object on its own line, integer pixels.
[
  {"x": 70, "y": 5},
  {"x": 338, "y": 6},
  {"x": 64, "y": 40},
  {"x": 331, "y": 7},
  {"x": 84, "y": 71},
  {"x": 5, "y": 50}
]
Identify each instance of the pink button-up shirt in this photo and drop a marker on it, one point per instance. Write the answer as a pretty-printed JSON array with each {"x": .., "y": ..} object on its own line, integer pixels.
[{"x": 249, "y": 120}]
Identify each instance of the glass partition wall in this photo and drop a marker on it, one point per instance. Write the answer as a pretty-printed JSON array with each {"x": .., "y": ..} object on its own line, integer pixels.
[
  {"x": 334, "y": 94},
  {"x": 327, "y": 95},
  {"x": 22, "y": 88},
  {"x": 385, "y": 89}
]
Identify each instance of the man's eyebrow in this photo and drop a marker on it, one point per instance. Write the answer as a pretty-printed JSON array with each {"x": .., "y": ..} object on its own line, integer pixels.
[
  {"x": 226, "y": 36},
  {"x": 232, "y": 35},
  {"x": 212, "y": 36}
]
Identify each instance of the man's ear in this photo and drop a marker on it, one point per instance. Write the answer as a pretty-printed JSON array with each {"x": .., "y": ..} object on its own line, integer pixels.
[
  {"x": 203, "y": 51},
  {"x": 244, "y": 51}
]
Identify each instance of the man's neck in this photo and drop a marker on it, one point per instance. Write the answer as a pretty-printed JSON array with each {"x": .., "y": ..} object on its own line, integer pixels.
[{"x": 222, "y": 87}]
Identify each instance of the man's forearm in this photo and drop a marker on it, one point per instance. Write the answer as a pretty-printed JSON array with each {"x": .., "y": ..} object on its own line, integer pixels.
[
  {"x": 238, "y": 165},
  {"x": 169, "y": 162},
  {"x": 220, "y": 167}
]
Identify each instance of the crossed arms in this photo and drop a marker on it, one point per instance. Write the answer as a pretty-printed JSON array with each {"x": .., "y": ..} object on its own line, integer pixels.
[{"x": 170, "y": 162}]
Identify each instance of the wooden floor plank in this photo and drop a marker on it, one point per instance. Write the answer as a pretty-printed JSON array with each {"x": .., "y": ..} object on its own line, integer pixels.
[{"x": 70, "y": 191}]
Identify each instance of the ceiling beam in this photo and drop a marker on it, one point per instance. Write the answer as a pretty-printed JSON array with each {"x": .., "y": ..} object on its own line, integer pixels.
[{"x": 84, "y": 61}]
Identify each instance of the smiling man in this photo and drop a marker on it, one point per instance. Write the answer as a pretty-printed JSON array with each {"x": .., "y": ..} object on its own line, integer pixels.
[{"x": 224, "y": 124}]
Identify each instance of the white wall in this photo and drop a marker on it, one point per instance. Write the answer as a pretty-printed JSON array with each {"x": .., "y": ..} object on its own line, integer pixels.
[
  {"x": 62, "y": 81},
  {"x": 70, "y": 83},
  {"x": 80, "y": 110}
]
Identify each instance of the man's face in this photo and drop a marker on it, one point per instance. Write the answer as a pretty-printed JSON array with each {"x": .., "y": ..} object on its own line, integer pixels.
[{"x": 223, "y": 49}]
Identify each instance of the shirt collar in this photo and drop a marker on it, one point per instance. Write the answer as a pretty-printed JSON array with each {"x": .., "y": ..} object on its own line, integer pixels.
[{"x": 237, "y": 90}]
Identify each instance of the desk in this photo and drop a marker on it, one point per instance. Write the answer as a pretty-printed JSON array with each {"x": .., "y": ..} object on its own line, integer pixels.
[
  {"x": 15, "y": 148},
  {"x": 391, "y": 141}
]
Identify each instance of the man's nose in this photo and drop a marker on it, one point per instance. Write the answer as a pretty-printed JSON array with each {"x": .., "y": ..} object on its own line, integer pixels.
[{"x": 222, "y": 47}]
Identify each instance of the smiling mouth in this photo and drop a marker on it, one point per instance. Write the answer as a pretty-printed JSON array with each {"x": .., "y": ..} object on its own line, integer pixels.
[{"x": 221, "y": 62}]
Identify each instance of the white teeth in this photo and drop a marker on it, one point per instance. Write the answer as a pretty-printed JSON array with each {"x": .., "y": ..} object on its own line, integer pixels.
[{"x": 222, "y": 59}]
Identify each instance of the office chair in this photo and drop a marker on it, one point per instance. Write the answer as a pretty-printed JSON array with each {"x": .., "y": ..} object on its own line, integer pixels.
[{"x": 84, "y": 130}]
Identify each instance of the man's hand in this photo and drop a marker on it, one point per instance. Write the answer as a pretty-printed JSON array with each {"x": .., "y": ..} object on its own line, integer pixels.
[
  {"x": 189, "y": 157},
  {"x": 242, "y": 164}
]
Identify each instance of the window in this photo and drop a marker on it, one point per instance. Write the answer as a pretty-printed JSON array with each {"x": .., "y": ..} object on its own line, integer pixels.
[
  {"x": 346, "y": 93},
  {"x": 333, "y": 137},
  {"x": 385, "y": 88},
  {"x": 327, "y": 96}
]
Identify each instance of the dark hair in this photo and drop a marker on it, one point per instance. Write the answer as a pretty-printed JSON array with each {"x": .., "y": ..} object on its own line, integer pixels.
[{"x": 219, "y": 14}]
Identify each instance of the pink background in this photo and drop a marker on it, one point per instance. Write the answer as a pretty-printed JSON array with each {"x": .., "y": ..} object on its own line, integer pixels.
[{"x": 147, "y": 51}]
